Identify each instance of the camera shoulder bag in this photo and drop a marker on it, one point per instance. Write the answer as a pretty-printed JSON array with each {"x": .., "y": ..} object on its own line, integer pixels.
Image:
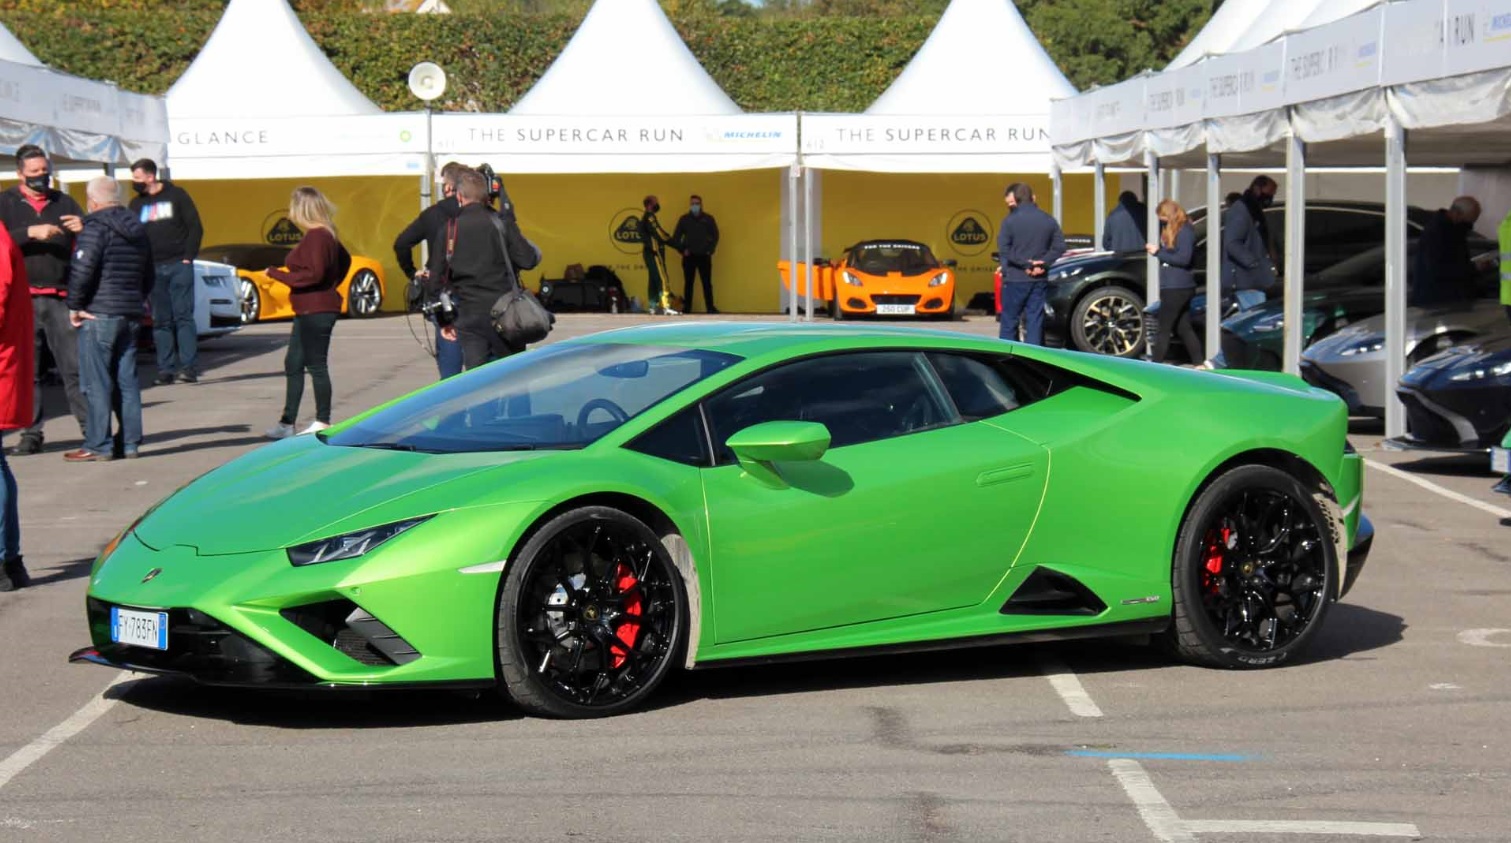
[{"x": 517, "y": 315}]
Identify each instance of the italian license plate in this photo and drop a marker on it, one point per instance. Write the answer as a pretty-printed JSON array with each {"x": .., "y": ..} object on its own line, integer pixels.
[
  {"x": 1500, "y": 460},
  {"x": 896, "y": 309},
  {"x": 142, "y": 629}
]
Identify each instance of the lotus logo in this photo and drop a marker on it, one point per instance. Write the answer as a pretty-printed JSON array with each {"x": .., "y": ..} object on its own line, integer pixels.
[
  {"x": 152, "y": 575},
  {"x": 967, "y": 233},
  {"x": 279, "y": 230},
  {"x": 624, "y": 231}
]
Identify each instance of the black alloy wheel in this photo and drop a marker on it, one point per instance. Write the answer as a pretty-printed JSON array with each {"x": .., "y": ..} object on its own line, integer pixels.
[
  {"x": 1109, "y": 320},
  {"x": 1254, "y": 571},
  {"x": 364, "y": 296},
  {"x": 251, "y": 302},
  {"x": 592, "y": 616}
]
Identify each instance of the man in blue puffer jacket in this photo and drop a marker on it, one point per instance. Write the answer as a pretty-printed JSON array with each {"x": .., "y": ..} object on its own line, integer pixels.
[{"x": 109, "y": 279}]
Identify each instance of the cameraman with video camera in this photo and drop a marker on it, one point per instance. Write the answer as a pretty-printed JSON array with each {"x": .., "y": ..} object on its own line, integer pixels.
[
  {"x": 430, "y": 228},
  {"x": 483, "y": 252}
]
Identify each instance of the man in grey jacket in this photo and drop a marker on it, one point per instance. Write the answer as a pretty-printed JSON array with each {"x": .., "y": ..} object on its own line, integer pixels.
[{"x": 1248, "y": 269}]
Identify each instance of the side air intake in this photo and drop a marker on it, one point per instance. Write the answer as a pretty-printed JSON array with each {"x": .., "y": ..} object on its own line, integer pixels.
[{"x": 1047, "y": 592}]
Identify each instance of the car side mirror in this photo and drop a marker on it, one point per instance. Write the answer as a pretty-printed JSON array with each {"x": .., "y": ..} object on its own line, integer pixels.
[
  {"x": 761, "y": 445},
  {"x": 951, "y": 263}
]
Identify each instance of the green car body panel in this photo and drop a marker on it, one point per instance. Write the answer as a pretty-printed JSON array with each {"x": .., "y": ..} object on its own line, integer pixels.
[{"x": 915, "y": 539}]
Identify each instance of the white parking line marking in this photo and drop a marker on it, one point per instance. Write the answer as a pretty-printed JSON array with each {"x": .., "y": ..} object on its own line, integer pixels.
[
  {"x": 1301, "y": 827},
  {"x": 76, "y": 723},
  {"x": 1069, "y": 688},
  {"x": 1433, "y": 487},
  {"x": 1157, "y": 813},
  {"x": 1481, "y": 637}
]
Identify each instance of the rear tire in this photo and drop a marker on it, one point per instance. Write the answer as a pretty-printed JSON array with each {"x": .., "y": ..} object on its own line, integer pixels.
[
  {"x": 835, "y": 311},
  {"x": 1254, "y": 571},
  {"x": 591, "y": 617}
]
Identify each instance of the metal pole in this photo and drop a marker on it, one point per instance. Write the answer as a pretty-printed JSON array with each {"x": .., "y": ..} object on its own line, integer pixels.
[
  {"x": 1295, "y": 249},
  {"x": 1175, "y": 186},
  {"x": 1151, "y": 201},
  {"x": 808, "y": 238},
  {"x": 1099, "y": 202},
  {"x": 429, "y": 164},
  {"x": 1058, "y": 183},
  {"x": 1395, "y": 273},
  {"x": 793, "y": 175},
  {"x": 1214, "y": 255}
]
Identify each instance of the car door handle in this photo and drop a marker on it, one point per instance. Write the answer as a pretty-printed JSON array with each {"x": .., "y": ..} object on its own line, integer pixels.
[{"x": 1005, "y": 475}]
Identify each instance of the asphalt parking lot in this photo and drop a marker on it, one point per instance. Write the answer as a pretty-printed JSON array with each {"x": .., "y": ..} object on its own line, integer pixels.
[{"x": 1394, "y": 726}]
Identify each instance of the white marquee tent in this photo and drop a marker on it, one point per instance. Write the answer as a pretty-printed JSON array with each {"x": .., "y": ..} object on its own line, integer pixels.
[
  {"x": 75, "y": 119},
  {"x": 298, "y": 117},
  {"x": 624, "y": 96}
]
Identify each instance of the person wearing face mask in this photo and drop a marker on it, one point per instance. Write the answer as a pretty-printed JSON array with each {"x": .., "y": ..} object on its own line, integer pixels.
[
  {"x": 653, "y": 240},
  {"x": 696, "y": 237},
  {"x": 430, "y": 228},
  {"x": 1442, "y": 274},
  {"x": 175, "y": 231},
  {"x": 1248, "y": 268},
  {"x": 42, "y": 222}
]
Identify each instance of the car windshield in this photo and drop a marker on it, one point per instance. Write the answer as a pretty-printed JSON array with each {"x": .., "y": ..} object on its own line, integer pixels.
[
  {"x": 558, "y": 397},
  {"x": 904, "y": 257}
]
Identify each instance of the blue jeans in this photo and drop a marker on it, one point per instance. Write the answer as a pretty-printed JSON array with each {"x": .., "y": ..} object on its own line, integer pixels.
[
  {"x": 448, "y": 355},
  {"x": 10, "y": 512},
  {"x": 107, "y": 373},
  {"x": 1249, "y": 299},
  {"x": 173, "y": 329},
  {"x": 1023, "y": 300}
]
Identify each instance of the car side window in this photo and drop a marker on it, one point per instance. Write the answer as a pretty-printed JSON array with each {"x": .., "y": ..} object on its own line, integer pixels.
[
  {"x": 860, "y": 397},
  {"x": 977, "y": 388},
  {"x": 678, "y": 439}
]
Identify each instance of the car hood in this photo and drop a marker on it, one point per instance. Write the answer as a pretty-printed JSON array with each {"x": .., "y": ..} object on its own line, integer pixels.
[
  {"x": 1484, "y": 316},
  {"x": 1472, "y": 364},
  {"x": 302, "y": 489},
  {"x": 1071, "y": 266}
]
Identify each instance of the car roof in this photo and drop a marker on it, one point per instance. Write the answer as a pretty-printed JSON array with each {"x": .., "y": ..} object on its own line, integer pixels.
[{"x": 759, "y": 339}]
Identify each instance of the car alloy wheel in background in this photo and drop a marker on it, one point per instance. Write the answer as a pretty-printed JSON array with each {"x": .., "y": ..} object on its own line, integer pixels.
[
  {"x": 365, "y": 296},
  {"x": 251, "y": 302},
  {"x": 1109, "y": 320}
]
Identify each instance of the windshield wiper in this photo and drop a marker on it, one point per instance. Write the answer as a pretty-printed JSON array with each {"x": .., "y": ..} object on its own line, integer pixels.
[{"x": 389, "y": 446}]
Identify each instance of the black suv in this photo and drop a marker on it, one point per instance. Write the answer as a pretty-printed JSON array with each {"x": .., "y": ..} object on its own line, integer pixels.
[{"x": 1097, "y": 300}]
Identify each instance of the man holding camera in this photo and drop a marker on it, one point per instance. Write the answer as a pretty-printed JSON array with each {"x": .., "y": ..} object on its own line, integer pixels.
[
  {"x": 483, "y": 252},
  {"x": 430, "y": 228}
]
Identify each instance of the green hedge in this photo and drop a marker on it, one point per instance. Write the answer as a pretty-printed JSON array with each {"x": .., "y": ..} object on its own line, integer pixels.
[{"x": 811, "y": 63}]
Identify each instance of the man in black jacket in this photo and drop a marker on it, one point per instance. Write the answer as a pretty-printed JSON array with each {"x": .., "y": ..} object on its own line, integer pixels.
[
  {"x": 43, "y": 223},
  {"x": 480, "y": 270},
  {"x": 1126, "y": 225},
  {"x": 173, "y": 226},
  {"x": 1029, "y": 242},
  {"x": 697, "y": 236},
  {"x": 1442, "y": 274},
  {"x": 111, "y": 276},
  {"x": 430, "y": 228}
]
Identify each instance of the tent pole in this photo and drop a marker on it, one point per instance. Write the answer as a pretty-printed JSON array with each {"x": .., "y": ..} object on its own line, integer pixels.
[
  {"x": 794, "y": 173},
  {"x": 1395, "y": 272},
  {"x": 1058, "y": 188},
  {"x": 808, "y": 238},
  {"x": 1295, "y": 248},
  {"x": 429, "y": 175},
  {"x": 1099, "y": 201},
  {"x": 1214, "y": 255},
  {"x": 1151, "y": 202},
  {"x": 1174, "y": 192}
]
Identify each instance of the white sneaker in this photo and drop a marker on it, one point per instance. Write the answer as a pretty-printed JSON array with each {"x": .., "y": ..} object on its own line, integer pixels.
[
  {"x": 315, "y": 427},
  {"x": 279, "y": 431}
]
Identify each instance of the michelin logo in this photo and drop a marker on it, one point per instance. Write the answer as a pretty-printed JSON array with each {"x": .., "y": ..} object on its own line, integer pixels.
[{"x": 728, "y": 135}]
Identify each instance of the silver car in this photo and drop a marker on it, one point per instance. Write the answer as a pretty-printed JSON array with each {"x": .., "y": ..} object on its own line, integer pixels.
[{"x": 1351, "y": 362}]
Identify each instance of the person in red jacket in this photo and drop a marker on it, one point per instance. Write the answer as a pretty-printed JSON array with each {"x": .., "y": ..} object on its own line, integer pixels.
[
  {"x": 16, "y": 384},
  {"x": 315, "y": 269}
]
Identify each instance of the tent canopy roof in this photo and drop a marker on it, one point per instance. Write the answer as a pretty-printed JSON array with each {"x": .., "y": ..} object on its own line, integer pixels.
[
  {"x": 223, "y": 82},
  {"x": 11, "y": 49},
  {"x": 625, "y": 59},
  {"x": 1232, "y": 20},
  {"x": 981, "y": 58}
]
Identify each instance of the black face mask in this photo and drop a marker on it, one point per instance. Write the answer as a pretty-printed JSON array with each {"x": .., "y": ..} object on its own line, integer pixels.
[
  {"x": 140, "y": 187},
  {"x": 656, "y": 208},
  {"x": 38, "y": 184},
  {"x": 1266, "y": 201}
]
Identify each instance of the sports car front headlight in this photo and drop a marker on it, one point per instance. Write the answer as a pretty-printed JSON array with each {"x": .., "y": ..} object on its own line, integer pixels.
[
  {"x": 1367, "y": 344},
  {"x": 851, "y": 279},
  {"x": 350, "y": 545},
  {"x": 939, "y": 280},
  {"x": 1498, "y": 371}
]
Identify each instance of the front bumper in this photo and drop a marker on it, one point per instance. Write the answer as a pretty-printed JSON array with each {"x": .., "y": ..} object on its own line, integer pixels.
[
  {"x": 1359, "y": 380},
  {"x": 1436, "y": 426},
  {"x": 858, "y": 301},
  {"x": 1314, "y": 375}
]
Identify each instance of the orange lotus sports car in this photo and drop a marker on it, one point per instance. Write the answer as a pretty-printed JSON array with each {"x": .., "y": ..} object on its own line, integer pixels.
[
  {"x": 883, "y": 278},
  {"x": 263, "y": 298}
]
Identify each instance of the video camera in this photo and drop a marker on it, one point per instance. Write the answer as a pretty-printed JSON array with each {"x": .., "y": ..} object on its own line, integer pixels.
[
  {"x": 441, "y": 308},
  {"x": 496, "y": 189}
]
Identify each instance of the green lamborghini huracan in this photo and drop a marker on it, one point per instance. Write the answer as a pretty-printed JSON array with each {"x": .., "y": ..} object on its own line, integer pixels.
[{"x": 571, "y": 523}]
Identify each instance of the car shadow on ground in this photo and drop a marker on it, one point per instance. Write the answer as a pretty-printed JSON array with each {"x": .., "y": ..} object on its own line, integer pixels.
[
  {"x": 184, "y": 433},
  {"x": 1453, "y": 465},
  {"x": 150, "y": 450},
  {"x": 62, "y": 573},
  {"x": 390, "y": 709}
]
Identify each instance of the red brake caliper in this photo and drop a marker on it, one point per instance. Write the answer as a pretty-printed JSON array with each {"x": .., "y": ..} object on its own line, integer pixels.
[
  {"x": 629, "y": 630},
  {"x": 1217, "y": 543}
]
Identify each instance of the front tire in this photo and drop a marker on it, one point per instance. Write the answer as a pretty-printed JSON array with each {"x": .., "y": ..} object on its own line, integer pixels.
[
  {"x": 1254, "y": 571},
  {"x": 364, "y": 296},
  {"x": 251, "y": 303},
  {"x": 1109, "y": 320},
  {"x": 592, "y": 616}
]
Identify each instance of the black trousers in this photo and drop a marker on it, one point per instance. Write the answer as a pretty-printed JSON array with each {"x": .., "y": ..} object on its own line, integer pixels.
[
  {"x": 701, "y": 265},
  {"x": 1175, "y": 314},
  {"x": 480, "y": 343},
  {"x": 54, "y": 334},
  {"x": 309, "y": 351}
]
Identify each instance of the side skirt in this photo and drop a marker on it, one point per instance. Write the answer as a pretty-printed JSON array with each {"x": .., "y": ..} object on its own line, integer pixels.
[{"x": 1149, "y": 626}]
